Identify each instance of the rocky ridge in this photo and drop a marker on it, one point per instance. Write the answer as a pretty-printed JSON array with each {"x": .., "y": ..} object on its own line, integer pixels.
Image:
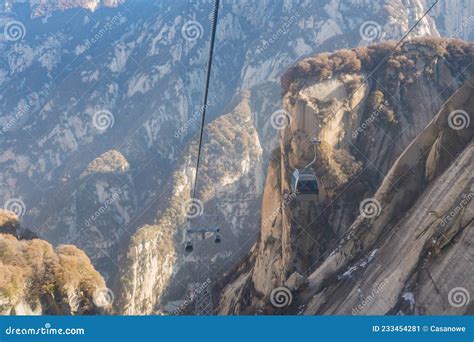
[{"x": 363, "y": 127}]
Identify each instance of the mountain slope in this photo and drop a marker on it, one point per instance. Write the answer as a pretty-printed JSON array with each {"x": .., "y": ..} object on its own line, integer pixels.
[
  {"x": 38, "y": 279},
  {"x": 155, "y": 268},
  {"x": 363, "y": 129}
]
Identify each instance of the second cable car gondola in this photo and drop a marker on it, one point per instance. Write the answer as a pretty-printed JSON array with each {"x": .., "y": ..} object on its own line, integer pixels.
[
  {"x": 201, "y": 231},
  {"x": 304, "y": 181}
]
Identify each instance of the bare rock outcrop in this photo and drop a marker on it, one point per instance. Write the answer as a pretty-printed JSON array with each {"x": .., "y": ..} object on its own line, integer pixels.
[
  {"x": 37, "y": 279},
  {"x": 368, "y": 107}
]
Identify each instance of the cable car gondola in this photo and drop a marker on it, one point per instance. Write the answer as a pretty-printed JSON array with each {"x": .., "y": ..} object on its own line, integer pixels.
[{"x": 189, "y": 247}]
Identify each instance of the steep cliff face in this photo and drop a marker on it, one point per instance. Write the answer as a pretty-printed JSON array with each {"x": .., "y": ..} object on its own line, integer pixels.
[
  {"x": 363, "y": 128},
  {"x": 38, "y": 279},
  {"x": 417, "y": 251},
  {"x": 155, "y": 269}
]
